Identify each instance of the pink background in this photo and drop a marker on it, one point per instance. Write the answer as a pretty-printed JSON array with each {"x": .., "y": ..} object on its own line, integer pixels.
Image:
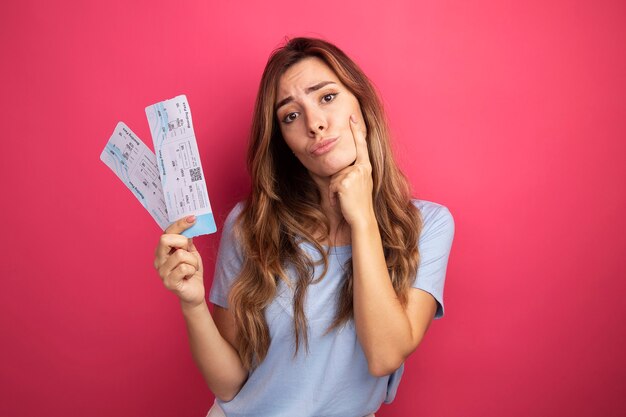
[{"x": 510, "y": 113}]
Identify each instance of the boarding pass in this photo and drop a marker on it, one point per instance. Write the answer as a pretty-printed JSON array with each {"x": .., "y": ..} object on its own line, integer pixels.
[{"x": 182, "y": 190}]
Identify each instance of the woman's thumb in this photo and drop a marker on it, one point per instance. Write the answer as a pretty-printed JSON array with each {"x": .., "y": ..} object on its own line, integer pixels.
[{"x": 181, "y": 225}]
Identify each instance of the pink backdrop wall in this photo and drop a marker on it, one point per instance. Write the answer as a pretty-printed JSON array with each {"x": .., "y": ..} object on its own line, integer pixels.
[{"x": 510, "y": 113}]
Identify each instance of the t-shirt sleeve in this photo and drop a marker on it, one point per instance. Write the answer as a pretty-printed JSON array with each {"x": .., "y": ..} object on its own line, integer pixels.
[
  {"x": 434, "y": 247},
  {"x": 229, "y": 261}
]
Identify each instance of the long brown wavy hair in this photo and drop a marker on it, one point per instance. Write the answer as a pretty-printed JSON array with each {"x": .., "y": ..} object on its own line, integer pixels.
[{"x": 283, "y": 208}]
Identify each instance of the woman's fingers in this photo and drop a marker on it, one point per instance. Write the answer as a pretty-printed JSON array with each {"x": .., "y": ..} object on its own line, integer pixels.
[
  {"x": 194, "y": 251},
  {"x": 358, "y": 133},
  {"x": 165, "y": 246},
  {"x": 177, "y": 261},
  {"x": 346, "y": 179},
  {"x": 178, "y": 274},
  {"x": 171, "y": 240},
  {"x": 181, "y": 256}
]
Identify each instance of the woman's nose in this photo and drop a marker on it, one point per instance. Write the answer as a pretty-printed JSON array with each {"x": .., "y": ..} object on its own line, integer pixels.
[{"x": 316, "y": 121}]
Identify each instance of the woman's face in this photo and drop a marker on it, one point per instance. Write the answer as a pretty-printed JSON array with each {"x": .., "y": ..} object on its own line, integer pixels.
[{"x": 313, "y": 112}]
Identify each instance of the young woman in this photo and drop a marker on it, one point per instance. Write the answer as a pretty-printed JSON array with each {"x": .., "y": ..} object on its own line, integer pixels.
[{"x": 329, "y": 274}]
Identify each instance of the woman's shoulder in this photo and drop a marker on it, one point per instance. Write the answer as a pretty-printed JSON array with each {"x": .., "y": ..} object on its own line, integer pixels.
[
  {"x": 234, "y": 213},
  {"x": 230, "y": 247},
  {"x": 228, "y": 227},
  {"x": 434, "y": 213},
  {"x": 427, "y": 207}
]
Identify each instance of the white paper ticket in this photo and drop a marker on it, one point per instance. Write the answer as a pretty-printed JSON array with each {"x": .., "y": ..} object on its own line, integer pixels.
[
  {"x": 135, "y": 164},
  {"x": 178, "y": 160}
]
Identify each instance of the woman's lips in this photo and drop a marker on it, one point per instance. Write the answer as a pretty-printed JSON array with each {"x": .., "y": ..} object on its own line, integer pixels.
[{"x": 323, "y": 146}]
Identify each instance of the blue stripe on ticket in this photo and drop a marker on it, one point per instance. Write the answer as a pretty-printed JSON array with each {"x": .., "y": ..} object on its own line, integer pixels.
[{"x": 205, "y": 224}]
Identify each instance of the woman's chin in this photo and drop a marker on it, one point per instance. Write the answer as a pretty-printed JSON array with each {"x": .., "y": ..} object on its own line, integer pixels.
[
  {"x": 336, "y": 166},
  {"x": 330, "y": 170}
]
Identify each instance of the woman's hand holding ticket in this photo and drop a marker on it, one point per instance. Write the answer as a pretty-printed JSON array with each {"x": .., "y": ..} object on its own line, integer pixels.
[{"x": 179, "y": 264}]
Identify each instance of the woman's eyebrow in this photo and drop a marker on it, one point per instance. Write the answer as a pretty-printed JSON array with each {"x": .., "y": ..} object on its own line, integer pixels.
[{"x": 307, "y": 91}]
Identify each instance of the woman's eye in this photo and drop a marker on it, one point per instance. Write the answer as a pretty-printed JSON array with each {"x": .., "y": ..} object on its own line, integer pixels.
[
  {"x": 328, "y": 97},
  {"x": 290, "y": 117}
]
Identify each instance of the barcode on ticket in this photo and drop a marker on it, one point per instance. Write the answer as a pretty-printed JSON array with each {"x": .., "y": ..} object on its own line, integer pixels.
[{"x": 195, "y": 174}]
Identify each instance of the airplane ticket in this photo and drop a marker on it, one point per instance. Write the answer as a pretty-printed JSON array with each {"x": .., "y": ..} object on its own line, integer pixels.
[
  {"x": 135, "y": 164},
  {"x": 178, "y": 160}
]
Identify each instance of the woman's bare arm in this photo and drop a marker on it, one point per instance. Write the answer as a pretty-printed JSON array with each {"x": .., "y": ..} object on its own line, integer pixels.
[
  {"x": 212, "y": 350},
  {"x": 180, "y": 267},
  {"x": 387, "y": 331}
]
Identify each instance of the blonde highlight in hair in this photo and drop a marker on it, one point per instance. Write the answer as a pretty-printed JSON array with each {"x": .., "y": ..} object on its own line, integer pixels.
[{"x": 283, "y": 208}]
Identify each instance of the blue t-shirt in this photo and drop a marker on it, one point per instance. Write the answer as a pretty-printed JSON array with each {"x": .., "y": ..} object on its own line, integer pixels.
[{"x": 332, "y": 380}]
